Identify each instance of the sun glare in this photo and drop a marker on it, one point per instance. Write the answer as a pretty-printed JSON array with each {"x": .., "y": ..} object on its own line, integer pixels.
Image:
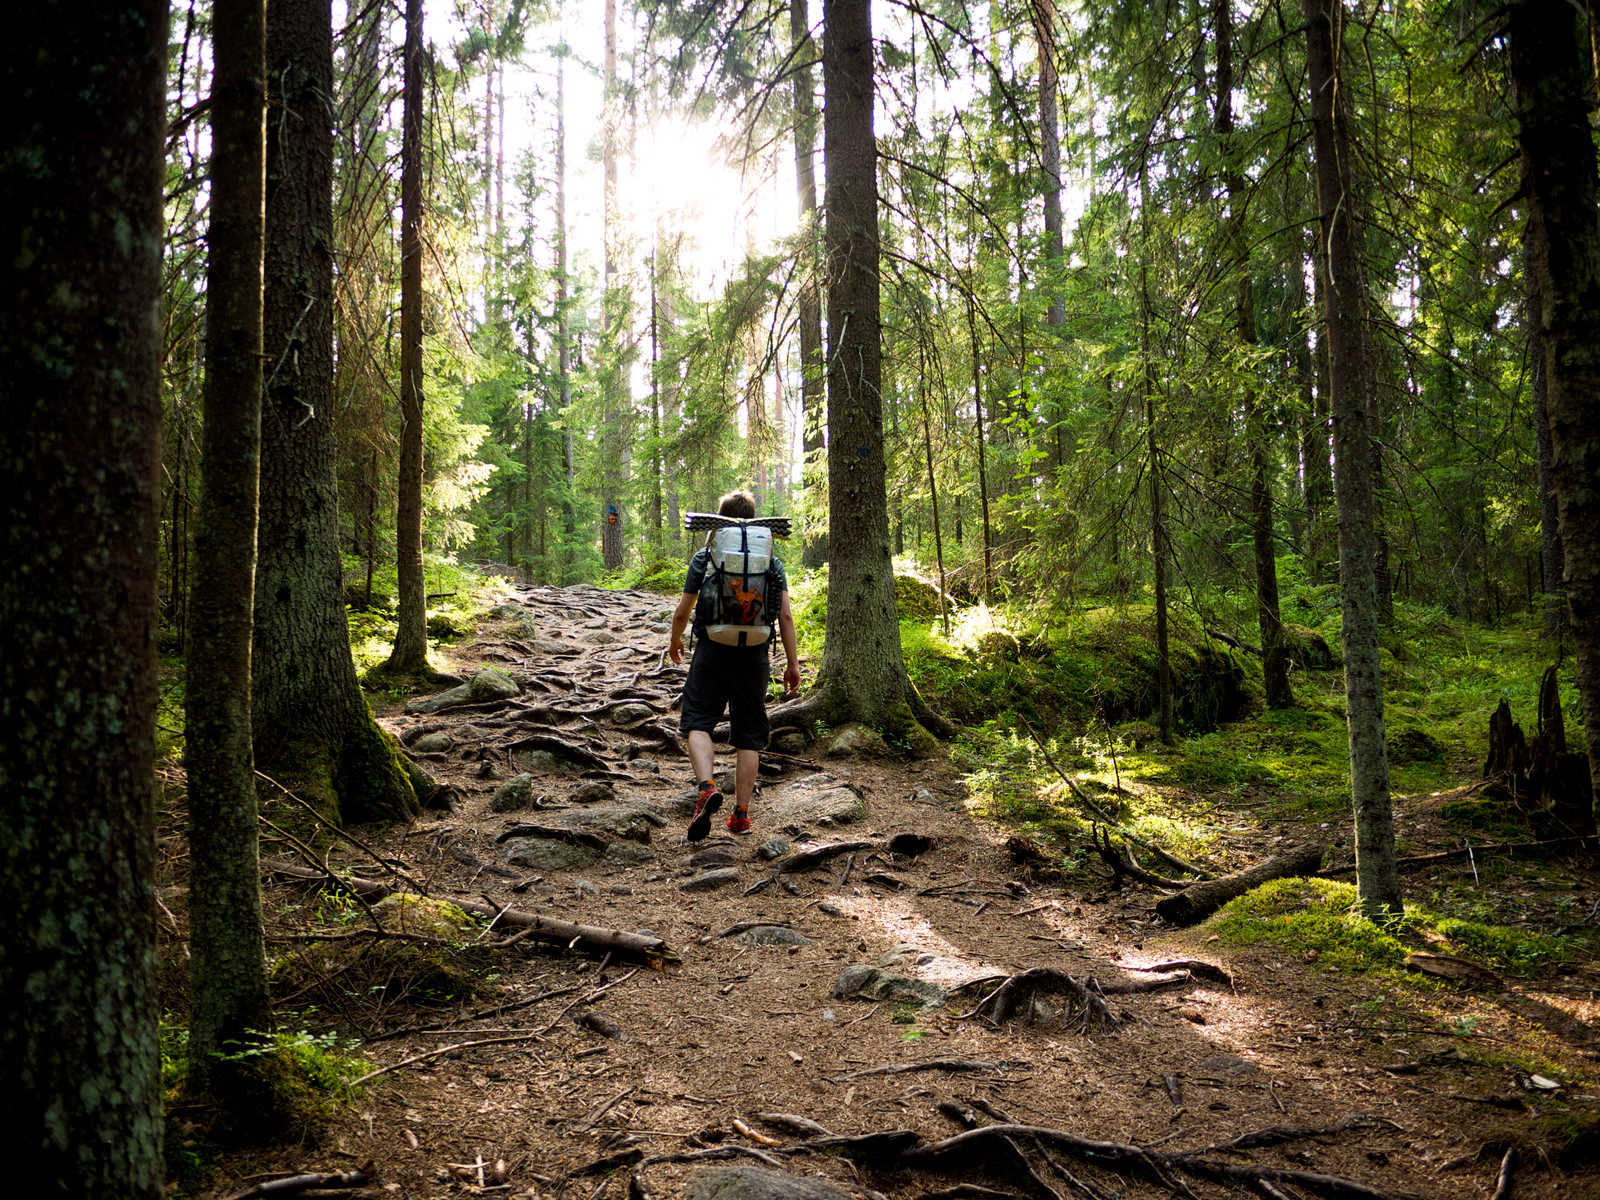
[{"x": 685, "y": 187}]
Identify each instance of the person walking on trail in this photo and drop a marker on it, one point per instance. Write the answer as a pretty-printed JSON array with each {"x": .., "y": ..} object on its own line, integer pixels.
[{"x": 731, "y": 663}]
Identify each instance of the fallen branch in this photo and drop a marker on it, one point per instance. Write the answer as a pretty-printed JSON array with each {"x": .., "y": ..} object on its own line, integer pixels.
[
  {"x": 291, "y": 1184},
  {"x": 1195, "y": 967},
  {"x": 589, "y": 938},
  {"x": 1121, "y": 866},
  {"x": 1198, "y": 901}
]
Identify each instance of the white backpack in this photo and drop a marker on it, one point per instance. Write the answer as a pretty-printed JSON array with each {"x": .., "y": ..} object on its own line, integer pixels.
[{"x": 739, "y": 595}]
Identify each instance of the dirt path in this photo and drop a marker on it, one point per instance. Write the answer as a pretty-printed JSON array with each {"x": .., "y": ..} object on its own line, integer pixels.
[{"x": 682, "y": 1060}]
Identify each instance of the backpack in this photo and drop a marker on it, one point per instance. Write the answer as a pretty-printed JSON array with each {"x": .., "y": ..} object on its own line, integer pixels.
[{"x": 739, "y": 595}]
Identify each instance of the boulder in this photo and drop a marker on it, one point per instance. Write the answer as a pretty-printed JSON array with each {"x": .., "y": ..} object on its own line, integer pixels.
[
  {"x": 629, "y": 712},
  {"x": 549, "y": 854},
  {"x": 514, "y": 795},
  {"x": 799, "y": 805},
  {"x": 492, "y": 684},
  {"x": 425, "y": 916},
  {"x": 433, "y": 743},
  {"x": 864, "y": 982}
]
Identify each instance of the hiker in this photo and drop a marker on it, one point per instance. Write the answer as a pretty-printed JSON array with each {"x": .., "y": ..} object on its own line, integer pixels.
[{"x": 731, "y": 662}]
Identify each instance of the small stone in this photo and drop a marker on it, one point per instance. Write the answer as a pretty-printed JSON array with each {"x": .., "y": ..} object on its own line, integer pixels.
[
  {"x": 711, "y": 880},
  {"x": 790, "y": 741},
  {"x": 433, "y": 743},
  {"x": 594, "y": 793},
  {"x": 774, "y": 848},
  {"x": 627, "y": 714},
  {"x": 627, "y": 854},
  {"x": 601, "y": 637},
  {"x": 621, "y": 889},
  {"x": 1225, "y": 1066},
  {"x": 829, "y": 909},
  {"x": 586, "y": 889},
  {"x": 773, "y": 935}
]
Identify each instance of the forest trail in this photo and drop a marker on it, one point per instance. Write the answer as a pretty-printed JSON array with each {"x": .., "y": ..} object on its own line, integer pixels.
[{"x": 598, "y": 1068}]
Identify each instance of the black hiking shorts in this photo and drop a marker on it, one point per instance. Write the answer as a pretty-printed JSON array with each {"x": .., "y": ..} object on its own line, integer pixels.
[{"x": 732, "y": 678}]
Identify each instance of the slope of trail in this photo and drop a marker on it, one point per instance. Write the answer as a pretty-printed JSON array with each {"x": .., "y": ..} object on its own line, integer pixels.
[{"x": 611, "y": 1062}]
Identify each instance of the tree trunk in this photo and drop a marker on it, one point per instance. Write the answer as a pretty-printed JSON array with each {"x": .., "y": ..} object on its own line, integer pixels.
[
  {"x": 1044, "y": 28},
  {"x": 862, "y": 676},
  {"x": 569, "y": 519},
  {"x": 983, "y": 451},
  {"x": 813, "y": 468},
  {"x": 228, "y": 964},
  {"x": 313, "y": 730},
  {"x": 1343, "y": 297},
  {"x": 1551, "y": 564},
  {"x": 80, "y": 386},
  {"x": 1552, "y": 105},
  {"x": 1158, "y": 526},
  {"x": 411, "y": 632},
  {"x": 614, "y": 377},
  {"x": 1274, "y": 650}
]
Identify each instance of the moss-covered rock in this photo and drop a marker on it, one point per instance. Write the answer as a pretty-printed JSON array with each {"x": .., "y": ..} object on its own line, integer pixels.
[
  {"x": 918, "y": 598},
  {"x": 1308, "y": 649},
  {"x": 1410, "y": 744}
]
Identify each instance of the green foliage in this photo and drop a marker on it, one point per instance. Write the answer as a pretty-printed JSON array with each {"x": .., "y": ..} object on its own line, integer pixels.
[
  {"x": 659, "y": 574},
  {"x": 1300, "y": 916}
]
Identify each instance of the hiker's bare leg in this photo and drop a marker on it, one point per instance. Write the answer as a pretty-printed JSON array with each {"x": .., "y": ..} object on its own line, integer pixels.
[
  {"x": 746, "y": 763},
  {"x": 701, "y": 756}
]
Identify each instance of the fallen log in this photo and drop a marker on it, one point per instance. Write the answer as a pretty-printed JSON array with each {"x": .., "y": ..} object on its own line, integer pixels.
[
  {"x": 1199, "y": 900},
  {"x": 586, "y": 938}
]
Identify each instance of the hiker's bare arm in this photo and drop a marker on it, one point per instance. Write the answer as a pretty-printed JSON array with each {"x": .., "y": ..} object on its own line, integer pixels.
[
  {"x": 680, "y": 622},
  {"x": 791, "y": 648}
]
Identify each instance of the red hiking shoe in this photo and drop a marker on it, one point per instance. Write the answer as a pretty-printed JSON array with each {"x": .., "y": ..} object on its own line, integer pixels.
[
  {"x": 739, "y": 821},
  {"x": 700, "y": 824}
]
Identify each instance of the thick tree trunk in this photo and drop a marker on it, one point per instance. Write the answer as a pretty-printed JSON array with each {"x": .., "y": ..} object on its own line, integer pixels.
[
  {"x": 313, "y": 730},
  {"x": 1158, "y": 528},
  {"x": 1274, "y": 650},
  {"x": 1343, "y": 296},
  {"x": 411, "y": 633},
  {"x": 862, "y": 676},
  {"x": 80, "y": 387},
  {"x": 1552, "y": 103},
  {"x": 813, "y": 468},
  {"x": 228, "y": 964}
]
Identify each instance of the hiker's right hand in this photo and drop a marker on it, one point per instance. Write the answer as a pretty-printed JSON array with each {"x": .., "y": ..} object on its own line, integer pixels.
[
  {"x": 791, "y": 682},
  {"x": 675, "y": 652}
]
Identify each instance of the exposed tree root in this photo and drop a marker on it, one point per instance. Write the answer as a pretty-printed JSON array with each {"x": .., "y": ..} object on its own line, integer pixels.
[{"x": 1021, "y": 996}]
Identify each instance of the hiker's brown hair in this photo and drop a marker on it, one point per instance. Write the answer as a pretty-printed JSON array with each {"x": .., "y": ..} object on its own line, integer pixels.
[{"x": 737, "y": 504}]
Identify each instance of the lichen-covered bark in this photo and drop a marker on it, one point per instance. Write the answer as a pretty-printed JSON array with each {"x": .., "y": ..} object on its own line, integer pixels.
[
  {"x": 1342, "y": 293},
  {"x": 809, "y": 305},
  {"x": 313, "y": 730},
  {"x": 1553, "y": 99},
  {"x": 227, "y": 958},
  {"x": 862, "y": 665},
  {"x": 80, "y": 346}
]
